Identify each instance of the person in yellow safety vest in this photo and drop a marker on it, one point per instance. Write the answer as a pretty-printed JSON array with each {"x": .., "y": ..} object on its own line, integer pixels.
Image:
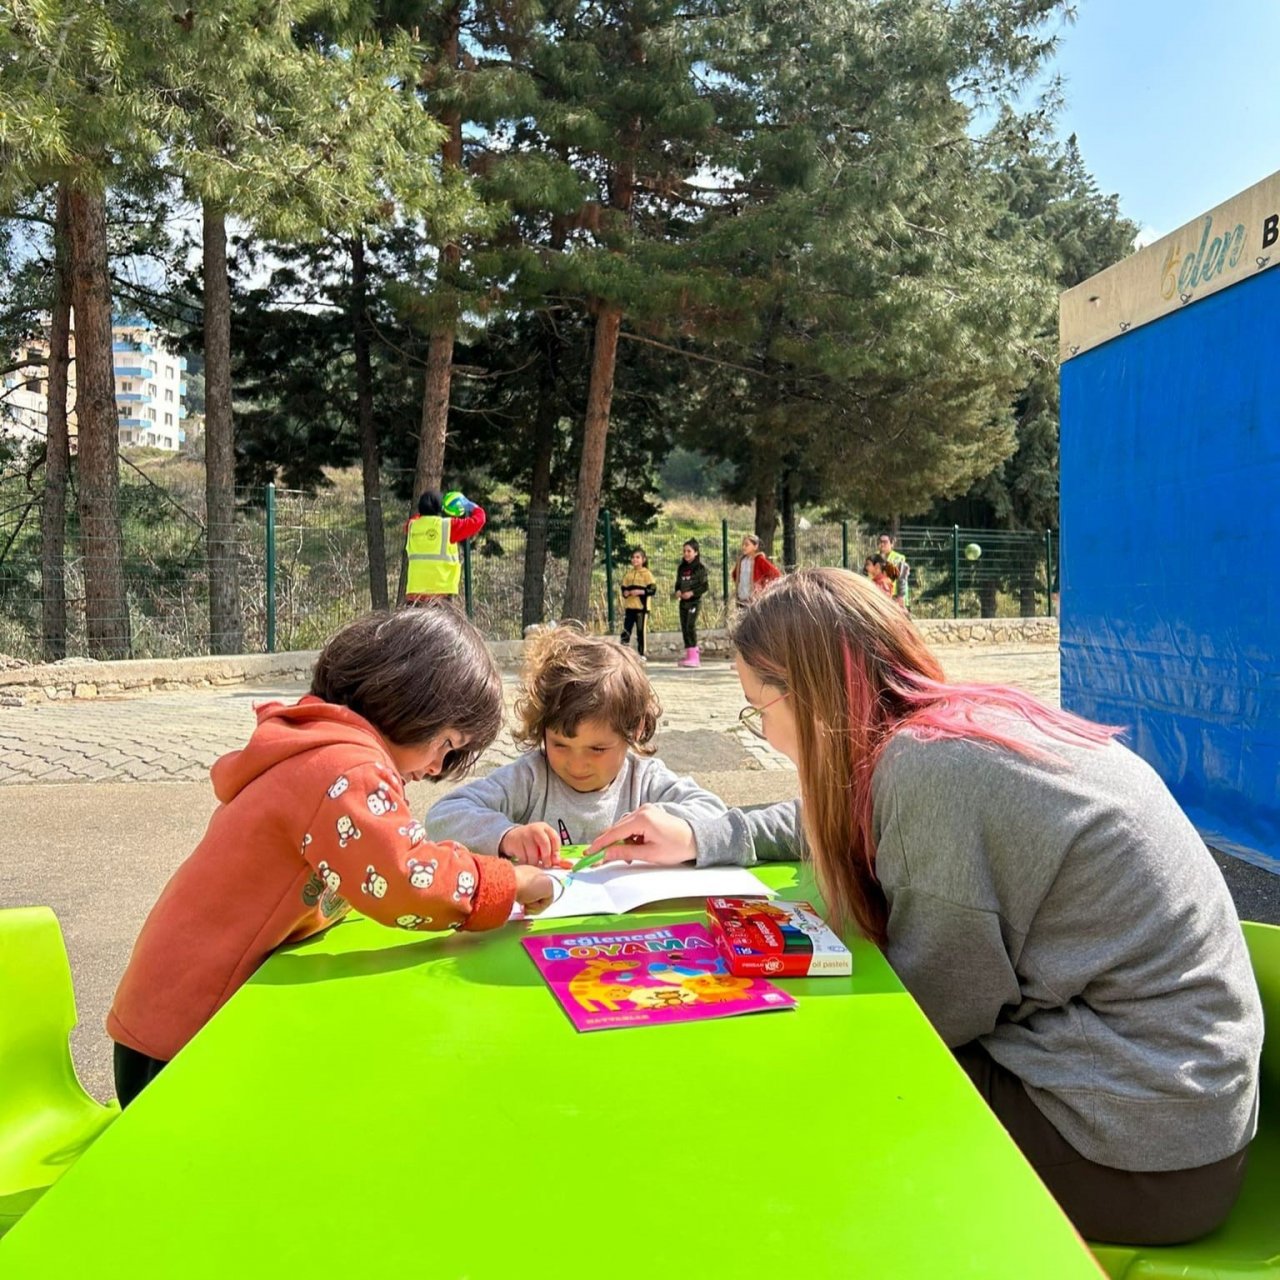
[
  {"x": 431, "y": 544},
  {"x": 902, "y": 583}
]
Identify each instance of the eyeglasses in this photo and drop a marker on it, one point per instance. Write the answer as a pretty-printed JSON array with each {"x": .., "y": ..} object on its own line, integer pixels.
[{"x": 750, "y": 718}]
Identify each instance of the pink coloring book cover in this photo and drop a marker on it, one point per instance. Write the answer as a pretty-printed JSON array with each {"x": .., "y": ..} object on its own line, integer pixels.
[{"x": 631, "y": 978}]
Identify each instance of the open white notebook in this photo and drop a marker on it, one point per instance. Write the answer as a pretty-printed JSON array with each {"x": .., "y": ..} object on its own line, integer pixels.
[{"x": 616, "y": 888}]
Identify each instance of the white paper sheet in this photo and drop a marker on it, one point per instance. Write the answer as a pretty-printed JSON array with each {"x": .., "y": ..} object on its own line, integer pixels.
[{"x": 612, "y": 890}]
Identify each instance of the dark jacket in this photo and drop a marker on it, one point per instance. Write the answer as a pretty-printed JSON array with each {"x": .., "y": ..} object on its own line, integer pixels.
[{"x": 692, "y": 576}]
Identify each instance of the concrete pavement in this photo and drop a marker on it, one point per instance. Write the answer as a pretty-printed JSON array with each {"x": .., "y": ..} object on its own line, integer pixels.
[{"x": 100, "y": 800}]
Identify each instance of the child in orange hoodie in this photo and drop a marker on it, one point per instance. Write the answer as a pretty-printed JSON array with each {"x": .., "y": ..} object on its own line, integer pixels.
[{"x": 313, "y": 819}]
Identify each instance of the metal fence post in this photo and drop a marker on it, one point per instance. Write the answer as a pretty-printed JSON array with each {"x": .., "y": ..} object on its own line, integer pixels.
[
  {"x": 608, "y": 569},
  {"x": 270, "y": 568},
  {"x": 724, "y": 561},
  {"x": 955, "y": 570},
  {"x": 1048, "y": 574},
  {"x": 466, "y": 575},
  {"x": 844, "y": 544}
]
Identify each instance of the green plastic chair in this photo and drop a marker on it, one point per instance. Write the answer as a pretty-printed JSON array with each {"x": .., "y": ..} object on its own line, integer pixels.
[
  {"x": 1248, "y": 1243},
  {"x": 46, "y": 1118}
]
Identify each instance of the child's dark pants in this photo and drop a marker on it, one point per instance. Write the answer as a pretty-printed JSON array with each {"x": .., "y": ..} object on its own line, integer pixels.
[
  {"x": 634, "y": 618},
  {"x": 689, "y": 623},
  {"x": 133, "y": 1072}
]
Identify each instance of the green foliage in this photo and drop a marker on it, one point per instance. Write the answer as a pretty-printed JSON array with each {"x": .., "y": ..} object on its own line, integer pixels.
[
  {"x": 1054, "y": 215},
  {"x": 830, "y": 287}
]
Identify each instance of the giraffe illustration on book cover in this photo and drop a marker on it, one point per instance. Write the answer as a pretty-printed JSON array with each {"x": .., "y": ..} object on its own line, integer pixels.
[{"x": 635, "y": 977}]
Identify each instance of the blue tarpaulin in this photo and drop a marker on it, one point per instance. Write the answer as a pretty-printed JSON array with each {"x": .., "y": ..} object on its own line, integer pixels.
[{"x": 1170, "y": 569}]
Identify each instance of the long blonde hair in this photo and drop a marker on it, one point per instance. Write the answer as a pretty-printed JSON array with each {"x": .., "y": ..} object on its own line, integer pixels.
[{"x": 856, "y": 672}]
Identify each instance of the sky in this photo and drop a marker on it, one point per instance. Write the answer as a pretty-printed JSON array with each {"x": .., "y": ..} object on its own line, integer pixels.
[{"x": 1174, "y": 102}]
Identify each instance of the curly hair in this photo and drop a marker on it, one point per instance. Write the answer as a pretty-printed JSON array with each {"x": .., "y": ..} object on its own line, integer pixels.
[{"x": 570, "y": 676}]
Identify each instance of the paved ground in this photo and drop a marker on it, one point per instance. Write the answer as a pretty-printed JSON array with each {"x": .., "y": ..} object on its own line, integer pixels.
[{"x": 100, "y": 800}]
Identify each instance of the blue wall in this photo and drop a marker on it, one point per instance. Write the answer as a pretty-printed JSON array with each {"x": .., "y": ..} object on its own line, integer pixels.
[{"x": 1171, "y": 554}]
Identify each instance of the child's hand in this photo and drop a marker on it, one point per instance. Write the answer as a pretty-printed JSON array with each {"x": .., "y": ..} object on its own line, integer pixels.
[
  {"x": 653, "y": 835},
  {"x": 535, "y": 843},
  {"x": 535, "y": 890}
]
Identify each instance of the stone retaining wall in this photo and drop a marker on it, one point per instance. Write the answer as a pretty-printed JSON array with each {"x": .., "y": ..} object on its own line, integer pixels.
[{"x": 79, "y": 678}]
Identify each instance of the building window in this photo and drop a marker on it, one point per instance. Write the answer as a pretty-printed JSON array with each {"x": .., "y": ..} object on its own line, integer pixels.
[
  {"x": 168, "y": 372},
  {"x": 151, "y": 414},
  {"x": 168, "y": 395},
  {"x": 126, "y": 386},
  {"x": 168, "y": 419},
  {"x": 33, "y": 384},
  {"x": 151, "y": 389}
]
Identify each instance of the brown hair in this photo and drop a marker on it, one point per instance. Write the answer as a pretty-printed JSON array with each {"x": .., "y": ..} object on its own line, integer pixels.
[
  {"x": 857, "y": 672},
  {"x": 570, "y": 676},
  {"x": 412, "y": 674}
]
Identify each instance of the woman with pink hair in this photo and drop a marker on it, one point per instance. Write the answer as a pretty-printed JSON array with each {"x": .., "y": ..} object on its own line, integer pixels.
[{"x": 1037, "y": 890}]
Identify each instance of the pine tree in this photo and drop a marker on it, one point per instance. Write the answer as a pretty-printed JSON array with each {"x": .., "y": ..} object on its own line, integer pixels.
[
  {"x": 71, "y": 111},
  {"x": 877, "y": 327},
  {"x": 623, "y": 104},
  {"x": 1057, "y": 215},
  {"x": 293, "y": 134}
]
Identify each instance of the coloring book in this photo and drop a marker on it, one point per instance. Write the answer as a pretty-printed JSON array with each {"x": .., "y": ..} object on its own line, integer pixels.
[
  {"x": 618, "y": 887},
  {"x": 630, "y": 978}
]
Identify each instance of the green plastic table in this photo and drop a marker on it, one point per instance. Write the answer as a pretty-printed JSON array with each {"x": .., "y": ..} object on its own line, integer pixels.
[{"x": 378, "y": 1103}]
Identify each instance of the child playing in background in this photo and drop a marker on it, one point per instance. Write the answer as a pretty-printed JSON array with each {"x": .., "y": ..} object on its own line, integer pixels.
[
  {"x": 586, "y": 714},
  {"x": 878, "y": 571},
  {"x": 313, "y": 819},
  {"x": 638, "y": 585},
  {"x": 691, "y": 586},
  {"x": 753, "y": 572}
]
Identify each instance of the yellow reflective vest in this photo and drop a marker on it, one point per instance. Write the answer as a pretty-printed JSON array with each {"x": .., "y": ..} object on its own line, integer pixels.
[{"x": 434, "y": 566}]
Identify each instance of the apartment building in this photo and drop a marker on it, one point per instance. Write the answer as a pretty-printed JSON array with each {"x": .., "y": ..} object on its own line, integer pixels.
[
  {"x": 149, "y": 383},
  {"x": 24, "y": 394}
]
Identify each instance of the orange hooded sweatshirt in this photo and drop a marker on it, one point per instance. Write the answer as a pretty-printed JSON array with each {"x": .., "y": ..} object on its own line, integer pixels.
[{"x": 313, "y": 818}]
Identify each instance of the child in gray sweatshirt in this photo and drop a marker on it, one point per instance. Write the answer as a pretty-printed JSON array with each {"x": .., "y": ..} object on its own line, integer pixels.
[{"x": 587, "y": 713}]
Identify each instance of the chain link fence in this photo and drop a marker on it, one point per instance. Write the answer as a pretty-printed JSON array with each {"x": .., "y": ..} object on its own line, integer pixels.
[{"x": 301, "y": 569}]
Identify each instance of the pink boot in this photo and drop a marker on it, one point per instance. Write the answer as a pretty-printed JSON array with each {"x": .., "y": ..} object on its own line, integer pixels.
[{"x": 691, "y": 658}]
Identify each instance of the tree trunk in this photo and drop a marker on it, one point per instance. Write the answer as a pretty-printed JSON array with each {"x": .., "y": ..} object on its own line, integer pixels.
[
  {"x": 533, "y": 600},
  {"x": 429, "y": 473},
  {"x": 225, "y": 631},
  {"x": 57, "y": 450},
  {"x": 595, "y": 431},
  {"x": 434, "y": 425},
  {"x": 106, "y": 607},
  {"x": 433, "y": 433},
  {"x": 790, "y": 557},
  {"x": 766, "y": 511},
  {"x": 370, "y": 458},
  {"x": 988, "y": 591}
]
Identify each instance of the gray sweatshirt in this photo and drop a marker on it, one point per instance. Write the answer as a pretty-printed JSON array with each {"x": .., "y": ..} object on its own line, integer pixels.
[
  {"x": 1070, "y": 919},
  {"x": 480, "y": 812}
]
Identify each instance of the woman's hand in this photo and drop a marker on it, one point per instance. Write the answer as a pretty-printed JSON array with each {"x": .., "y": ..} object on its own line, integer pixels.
[
  {"x": 653, "y": 835},
  {"x": 535, "y": 890},
  {"x": 535, "y": 843}
]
